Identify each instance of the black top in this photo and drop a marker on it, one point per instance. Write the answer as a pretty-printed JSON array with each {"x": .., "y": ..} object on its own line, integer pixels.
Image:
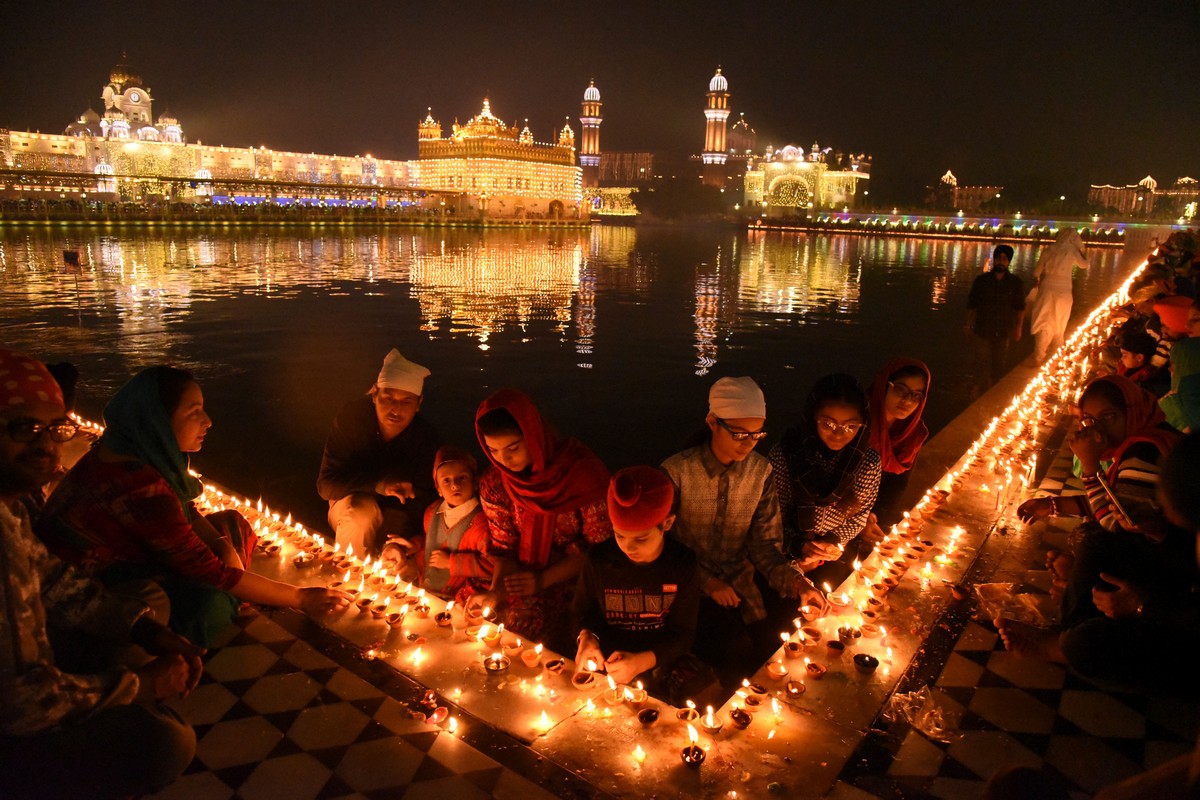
[
  {"x": 996, "y": 303},
  {"x": 356, "y": 457},
  {"x": 639, "y": 607}
]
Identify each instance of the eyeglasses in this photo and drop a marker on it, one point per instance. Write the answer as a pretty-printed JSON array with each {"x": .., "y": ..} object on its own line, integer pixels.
[
  {"x": 906, "y": 394},
  {"x": 1108, "y": 418},
  {"x": 26, "y": 430},
  {"x": 836, "y": 428},
  {"x": 741, "y": 436}
]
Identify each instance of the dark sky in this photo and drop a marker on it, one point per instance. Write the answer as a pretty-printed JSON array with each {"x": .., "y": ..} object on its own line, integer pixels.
[{"x": 1042, "y": 97}]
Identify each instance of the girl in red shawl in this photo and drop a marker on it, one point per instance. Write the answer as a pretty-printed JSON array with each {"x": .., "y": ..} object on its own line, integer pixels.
[
  {"x": 897, "y": 432},
  {"x": 545, "y": 501},
  {"x": 1120, "y": 425}
]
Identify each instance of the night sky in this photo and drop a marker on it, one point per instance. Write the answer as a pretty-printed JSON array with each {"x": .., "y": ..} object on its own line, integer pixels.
[{"x": 1041, "y": 97}]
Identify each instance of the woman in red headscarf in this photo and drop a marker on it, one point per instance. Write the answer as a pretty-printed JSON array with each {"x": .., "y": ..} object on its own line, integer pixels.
[
  {"x": 545, "y": 501},
  {"x": 1120, "y": 425},
  {"x": 897, "y": 432}
]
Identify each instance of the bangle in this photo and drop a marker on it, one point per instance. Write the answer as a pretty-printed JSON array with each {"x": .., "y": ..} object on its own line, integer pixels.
[{"x": 1054, "y": 506}]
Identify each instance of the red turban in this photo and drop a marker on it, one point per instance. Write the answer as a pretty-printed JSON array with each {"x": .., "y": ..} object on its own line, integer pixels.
[
  {"x": 25, "y": 381},
  {"x": 639, "y": 498},
  {"x": 1173, "y": 311}
]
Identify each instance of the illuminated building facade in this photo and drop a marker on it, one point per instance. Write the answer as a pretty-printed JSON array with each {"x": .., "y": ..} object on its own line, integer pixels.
[
  {"x": 950, "y": 196},
  {"x": 1145, "y": 198},
  {"x": 501, "y": 171},
  {"x": 589, "y": 146},
  {"x": 787, "y": 182},
  {"x": 716, "y": 114}
]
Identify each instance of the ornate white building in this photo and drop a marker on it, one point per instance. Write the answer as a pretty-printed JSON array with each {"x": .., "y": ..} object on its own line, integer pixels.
[{"x": 787, "y": 182}]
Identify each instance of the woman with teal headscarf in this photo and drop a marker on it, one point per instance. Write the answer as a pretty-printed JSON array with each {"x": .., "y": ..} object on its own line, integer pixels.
[
  {"x": 125, "y": 512},
  {"x": 1182, "y": 403}
]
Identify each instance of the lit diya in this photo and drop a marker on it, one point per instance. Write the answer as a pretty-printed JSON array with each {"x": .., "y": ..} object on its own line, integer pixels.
[
  {"x": 777, "y": 670},
  {"x": 815, "y": 671},
  {"x": 586, "y": 679},
  {"x": 693, "y": 755},
  {"x": 533, "y": 656},
  {"x": 555, "y": 666},
  {"x": 614, "y": 696},
  {"x": 711, "y": 723},
  {"x": 496, "y": 663},
  {"x": 636, "y": 695},
  {"x": 740, "y": 718},
  {"x": 396, "y": 618},
  {"x": 795, "y": 688},
  {"x": 442, "y": 618},
  {"x": 866, "y": 663},
  {"x": 838, "y": 601},
  {"x": 688, "y": 714}
]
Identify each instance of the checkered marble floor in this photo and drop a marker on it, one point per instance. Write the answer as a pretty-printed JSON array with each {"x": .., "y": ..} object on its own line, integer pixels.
[
  {"x": 276, "y": 717},
  {"x": 1002, "y": 710}
]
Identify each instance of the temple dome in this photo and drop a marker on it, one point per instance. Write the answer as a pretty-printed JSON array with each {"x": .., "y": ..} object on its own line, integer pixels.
[
  {"x": 592, "y": 95},
  {"x": 718, "y": 83},
  {"x": 123, "y": 74}
]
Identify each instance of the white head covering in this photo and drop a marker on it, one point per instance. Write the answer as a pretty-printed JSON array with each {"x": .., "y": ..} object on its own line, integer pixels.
[
  {"x": 400, "y": 373},
  {"x": 736, "y": 398}
]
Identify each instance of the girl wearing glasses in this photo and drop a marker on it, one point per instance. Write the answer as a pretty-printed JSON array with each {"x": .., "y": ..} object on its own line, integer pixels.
[
  {"x": 897, "y": 432},
  {"x": 826, "y": 474},
  {"x": 126, "y": 513}
]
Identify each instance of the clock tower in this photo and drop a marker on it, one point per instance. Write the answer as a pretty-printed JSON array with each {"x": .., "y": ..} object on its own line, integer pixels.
[{"x": 125, "y": 93}]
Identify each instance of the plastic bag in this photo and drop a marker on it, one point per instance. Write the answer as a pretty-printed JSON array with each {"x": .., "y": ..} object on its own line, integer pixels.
[
  {"x": 1002, "y": 600},
  {"x": 926, "y": 712}
]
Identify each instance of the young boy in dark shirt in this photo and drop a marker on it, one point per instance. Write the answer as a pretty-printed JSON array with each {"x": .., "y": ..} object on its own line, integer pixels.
[{"x": 639, "y": 592}]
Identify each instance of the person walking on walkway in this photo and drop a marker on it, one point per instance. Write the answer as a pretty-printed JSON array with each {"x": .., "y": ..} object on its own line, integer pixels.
[
  {"x": 1052, "y": 280},
  {"x": 995, "y": 311}
]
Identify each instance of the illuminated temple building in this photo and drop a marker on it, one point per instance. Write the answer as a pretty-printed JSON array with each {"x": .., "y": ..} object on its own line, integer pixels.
[
  {"x": 787, "y": 182},
  {"x": 501, "y": 171},
  {"x": 483, "y": 169}
]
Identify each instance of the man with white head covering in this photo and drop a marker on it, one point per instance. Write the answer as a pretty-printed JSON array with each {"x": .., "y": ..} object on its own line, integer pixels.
[
  {"x": 378, "y": 460},
  {"x": 729, "y": 515},
  {"x": 1052, "y": 305}
]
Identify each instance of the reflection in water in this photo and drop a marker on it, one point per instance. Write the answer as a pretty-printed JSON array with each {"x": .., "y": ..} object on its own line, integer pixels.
[{"x": 282, "y": 327}]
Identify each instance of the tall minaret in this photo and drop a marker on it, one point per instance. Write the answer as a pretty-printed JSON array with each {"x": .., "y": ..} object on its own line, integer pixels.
[
  {"x": 589, "y": 149},
  {"x": 716, "y": 112}
]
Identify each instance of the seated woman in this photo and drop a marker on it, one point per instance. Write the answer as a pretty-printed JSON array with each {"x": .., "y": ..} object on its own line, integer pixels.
[
  {"x": 1128, "y": 551},
  {"x": 826, "y": 475},
  {"x": 125, "y": 512},
  {"x": 896, "y": 432},
  {"x": 545, "y": 501},
  {"x": 1182, "y": 404}
]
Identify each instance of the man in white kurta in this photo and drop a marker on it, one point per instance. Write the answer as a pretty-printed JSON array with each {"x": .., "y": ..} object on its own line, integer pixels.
[{"x": 1052, "y": 306}]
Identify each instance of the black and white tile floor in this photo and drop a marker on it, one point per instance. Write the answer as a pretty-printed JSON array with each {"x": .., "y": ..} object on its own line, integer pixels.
[
  {"x": 276, "y": 717},
  {"x": 1002, "y": 710}
]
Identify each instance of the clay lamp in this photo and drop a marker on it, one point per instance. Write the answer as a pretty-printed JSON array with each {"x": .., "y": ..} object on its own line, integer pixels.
[
  {"x": 442, "y": 618},
  {"x": 491, "y": 638},
  {"x": 777, "y": 670},
  {"x": 870, "y": 630},
  {"x": 380, "y": 610},
  {"x": 848, "y": 634},
  {"x": 795, "y": 688},
  {"x": 835, "y": 648},
  {"x": 343, "y": 585},
  {"x": 422, "y": 605},
  {"x": 688, "y": 714},
  {"x": 809, "y": 613},
  {"x": 711, "y": 723},
  {"x": 693, "y": 755},
  {"x": 838, "y": 601},
  {"x": 396, "y": 618},
  {"x": 364, "y": 602},
  {"x": 874, "y": 604},
  {"x": 865, "y": 663},
  {"x": 812, "y": 634},
  {"x": 740, "y": 718},
  {"x": 555, "y": 666},
  {"x": 636, "y": 695},
  {"x": 648, "y": 717},
  {"x": 890, "y": 582},
  {"x": 614, "y": 696},
  {"x": 514, "y": 648},
  {"x": 533, "y": 656},
  {"x": 303, "y": 559},
  {"x": 586, "y": 679}
]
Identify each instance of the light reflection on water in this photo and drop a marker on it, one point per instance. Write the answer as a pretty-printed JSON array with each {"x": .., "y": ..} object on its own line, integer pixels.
[{"x": 617, "y": 332}]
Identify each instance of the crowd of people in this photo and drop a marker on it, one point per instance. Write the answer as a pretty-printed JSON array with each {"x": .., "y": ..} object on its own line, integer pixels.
[{"x": 115, "y": 582}]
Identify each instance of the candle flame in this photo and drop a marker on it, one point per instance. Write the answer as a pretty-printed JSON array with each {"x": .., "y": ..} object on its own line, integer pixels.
[
  {"x": 483, "y": 632},
  {"x": 589, "y": 706},
  {"x": 496, "y": 657},
  {"x": 449, "y": 606},
  {"x": 403, "y": 608},
  {"x": 452, "y": 724},
  {"x": 349, "y": 551},
  {"x": 827, "y": 587},
  {"x": 487, "y": 611},
  {"x": 639, "y": 686},
  {"x": 612, "y": 685},
  {"x": 544, "y": 721},
  {"x": 857, "y": 565},
  {"x": 346, "y": 577},
  {"x": 695, "y": 737},
  {"x": 785, "y": 637},
  {"x": 288, "y": 521},
  {"x": 417, "y": 656},
  {"x": 538, "y": 649},
  {"x": 639, "y": 755},
  {"x": 691, "y": 705},
  {"x": 591, "y": 665},
  {"x": 628, "y": 695},
  {"x": 708, "y": 718}
]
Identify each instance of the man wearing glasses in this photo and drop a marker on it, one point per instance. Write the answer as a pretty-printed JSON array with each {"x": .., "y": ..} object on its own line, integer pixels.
[
  {"x": 73, "y": 733},
  {"x": 729, "y": 515}
]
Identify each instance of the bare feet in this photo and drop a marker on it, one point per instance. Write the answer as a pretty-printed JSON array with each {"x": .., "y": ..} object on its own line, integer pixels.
[
  {"x": 1029, "y": 641},
  {"x": 1060, "y": 565}
]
